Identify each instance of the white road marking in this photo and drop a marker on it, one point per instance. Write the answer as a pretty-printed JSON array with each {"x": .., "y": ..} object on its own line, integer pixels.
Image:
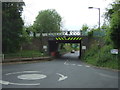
[
  {"x": 87, "y": 66},
  {"x": 62, "y": 77},
  {"x": 25, "y": 77},
  {"x": 22, "y": 72},
  {"x": 73, "y": 64},
  {"x": 66, "y": 62},
  {"x": 32, "y": 76},
  {"x": 4, "y": 82},
  {"x": 79, "y": 65},
  {"x": 7, "y": 83}
]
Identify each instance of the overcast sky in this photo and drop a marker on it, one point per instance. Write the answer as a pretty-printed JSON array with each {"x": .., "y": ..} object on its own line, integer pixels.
[{"x": 75, "y": 13}]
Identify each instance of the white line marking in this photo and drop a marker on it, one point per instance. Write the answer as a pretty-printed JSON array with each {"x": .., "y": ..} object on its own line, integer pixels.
[
  {"x": 25, "y": 84},
  {"x": 62, "y": 77},
  {"x": 66, "y": 62},
  {"x": 4, "y": 82},
  {"x": 87, "y": 66},
  {"x": 7, "y": 83},
  {"x": 22, "y": 72},
  {"x": 79, "y": 65},
  {"x": 73, "y": 64},
  {"x": 32, "y": 76}
]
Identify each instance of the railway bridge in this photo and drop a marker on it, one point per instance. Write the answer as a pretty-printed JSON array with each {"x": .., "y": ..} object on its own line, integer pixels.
[{"x": 51, "y": 41}]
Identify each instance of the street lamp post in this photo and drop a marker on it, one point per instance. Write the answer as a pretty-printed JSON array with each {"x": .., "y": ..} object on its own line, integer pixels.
[{"x": 99, "y": 14}]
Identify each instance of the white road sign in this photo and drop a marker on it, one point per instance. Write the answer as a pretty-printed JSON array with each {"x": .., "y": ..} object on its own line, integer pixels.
[
  {"x": 114, "y": 51},
  {"x": 83, "y": 47},
  {"x": 44, "y": 47}
]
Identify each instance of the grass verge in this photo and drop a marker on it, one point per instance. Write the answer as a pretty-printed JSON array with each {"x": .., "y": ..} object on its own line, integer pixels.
[{"x": 24, "y": 54}]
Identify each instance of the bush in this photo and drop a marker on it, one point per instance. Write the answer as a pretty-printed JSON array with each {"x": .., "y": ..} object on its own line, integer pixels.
[{"x": 102, "y": 57}]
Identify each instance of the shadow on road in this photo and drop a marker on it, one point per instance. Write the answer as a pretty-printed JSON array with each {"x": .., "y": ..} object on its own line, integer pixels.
[{"x": 70, "y": 56}]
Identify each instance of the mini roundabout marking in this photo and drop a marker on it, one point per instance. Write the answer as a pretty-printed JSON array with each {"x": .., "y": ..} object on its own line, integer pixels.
[
  {"x": 32, "y": 76},
  {"x": 29, "y": 76},
  {"x": 24, "y": 76}
]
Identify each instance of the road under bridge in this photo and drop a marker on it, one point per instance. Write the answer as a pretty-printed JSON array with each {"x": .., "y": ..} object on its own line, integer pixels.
[{"x": 53, "y": 40}]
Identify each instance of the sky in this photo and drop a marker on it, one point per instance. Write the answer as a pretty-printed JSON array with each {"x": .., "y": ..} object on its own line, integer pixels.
[{"x": 74, "y": 13}]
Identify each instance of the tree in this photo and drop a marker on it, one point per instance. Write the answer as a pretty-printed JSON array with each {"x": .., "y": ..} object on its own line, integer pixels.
[
  {"x": 113, "y": 15},
  {"x": 85, "y": 27},
  {"x": 48, "y": 21},
  {"x": 115, "y": 29},
  {"x": 12, "y": 25}
]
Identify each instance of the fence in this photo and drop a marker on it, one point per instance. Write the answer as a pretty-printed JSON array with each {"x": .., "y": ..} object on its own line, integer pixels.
[
  {"x": 99, "y": 33},
  {"x": 24, "y": 57}
]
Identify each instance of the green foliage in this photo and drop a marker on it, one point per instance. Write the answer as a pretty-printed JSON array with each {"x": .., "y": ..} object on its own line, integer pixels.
[
  {"x": 90, "y": 33},
  {"x": 91, "y": 52},
  {"x": 85, "y": 27},
  {"x": 48, "y": 21},
  {"x": 26, "y": 35},
  {"x": 113, "y": 15},
  {"x": 24, "y": 54},
  {"x": 101, "y": 57},
  {"x": 12, "y": 24},
  {"x": 115, "y": 29},
  {"x": 67, "y": 48}
]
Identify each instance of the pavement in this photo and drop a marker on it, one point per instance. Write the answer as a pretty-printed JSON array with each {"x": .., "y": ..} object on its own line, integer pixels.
[{"x": 65, "y": 72}]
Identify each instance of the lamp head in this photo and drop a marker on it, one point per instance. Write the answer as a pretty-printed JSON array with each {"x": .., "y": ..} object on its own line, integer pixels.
[{"x": 90, "y": 7}]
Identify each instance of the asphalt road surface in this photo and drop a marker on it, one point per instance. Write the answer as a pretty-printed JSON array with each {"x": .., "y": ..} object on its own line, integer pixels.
[{"x": 66, "y": 72}]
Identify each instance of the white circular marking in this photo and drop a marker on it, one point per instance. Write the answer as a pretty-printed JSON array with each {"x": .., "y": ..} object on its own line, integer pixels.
[{"x": 32, "y": 76}]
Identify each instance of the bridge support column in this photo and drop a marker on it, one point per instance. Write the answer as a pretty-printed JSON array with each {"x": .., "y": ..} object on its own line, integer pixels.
[
  {"x": 53, "y": 46},
  {"x": 80, "y": 50}
]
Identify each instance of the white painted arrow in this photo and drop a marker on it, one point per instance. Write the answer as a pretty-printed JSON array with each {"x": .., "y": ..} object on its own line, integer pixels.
[
  {"x": 7, "y": 83},
  {"x": 62, "y": 77}
]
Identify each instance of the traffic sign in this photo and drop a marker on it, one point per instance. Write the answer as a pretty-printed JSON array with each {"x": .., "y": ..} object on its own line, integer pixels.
[
  {"x": 114, "y": 51},
  {"x": 84, "y": 47}
]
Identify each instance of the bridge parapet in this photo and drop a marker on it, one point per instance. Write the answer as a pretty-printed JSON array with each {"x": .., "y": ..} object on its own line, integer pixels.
[{"x": 63, "y": 33}]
